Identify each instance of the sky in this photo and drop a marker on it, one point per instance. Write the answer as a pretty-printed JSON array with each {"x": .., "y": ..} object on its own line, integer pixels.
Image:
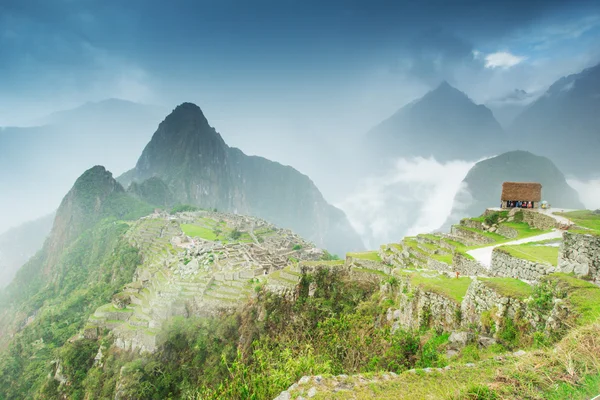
[{"x": 291, "y": 80}]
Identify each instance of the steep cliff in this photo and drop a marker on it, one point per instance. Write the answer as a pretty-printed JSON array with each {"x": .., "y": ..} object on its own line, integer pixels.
[{"x": 200, "y": 169}]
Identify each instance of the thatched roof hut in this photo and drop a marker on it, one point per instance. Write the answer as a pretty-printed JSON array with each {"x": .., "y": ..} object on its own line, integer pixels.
[{"x": 521, "y": 191}]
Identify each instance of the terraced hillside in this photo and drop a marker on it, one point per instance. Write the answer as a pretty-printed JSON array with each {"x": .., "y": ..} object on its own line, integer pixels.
[{"x": 197, "y": 264}]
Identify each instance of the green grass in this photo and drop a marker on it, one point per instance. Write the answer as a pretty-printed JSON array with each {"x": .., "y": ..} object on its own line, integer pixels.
[
  {"x": 446, "y": 258},
  {"x": 452, "y": 288},
  {"x": 199, "y": 231},
  {"x": 509, "y": 287},
  {"x": 584, "y": 218},
  {"x": 366, "y": 255},
  {"x": 583, "y": 295},
  {"x": 533, "y": 253}
]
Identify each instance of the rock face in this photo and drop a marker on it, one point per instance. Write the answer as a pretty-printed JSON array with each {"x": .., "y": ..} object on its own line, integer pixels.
[
  {"x": 563, "y": 123},
  {"x": 444, "y": 123},
  {"x": 580, "y": 254},
  {"x": 198, "y": 167},
  {"x": 482, "y": 186}
]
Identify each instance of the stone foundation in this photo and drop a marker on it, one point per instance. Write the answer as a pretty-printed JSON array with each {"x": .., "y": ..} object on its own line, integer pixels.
[
  {"x": 467, "y": 266},
  {"x": 580, "y": 254}
]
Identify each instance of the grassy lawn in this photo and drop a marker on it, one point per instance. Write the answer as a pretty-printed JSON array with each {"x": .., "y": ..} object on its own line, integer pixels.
[
  {"x": 509, "y": 287},
  {"x": 446, "y": 258},
  {"x": 584, "y": 218},
  {"x": 584, "y": 296},
  {"x": 199, "y": 231},
  {"x": 366, "y": 255},
  {"x": 531, "y": 252},
  {"x": 452, "y": 288}
]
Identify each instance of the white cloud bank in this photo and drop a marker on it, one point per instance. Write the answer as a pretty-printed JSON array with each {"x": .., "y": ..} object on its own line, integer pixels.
[{"x": 414, "y": 196}]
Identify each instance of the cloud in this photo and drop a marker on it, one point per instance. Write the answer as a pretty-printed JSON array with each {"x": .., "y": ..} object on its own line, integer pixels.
[
  {"x": 502, "y": 59},
  {"x": 589, "y": 192},
  {"x": 414, "y": 196}
]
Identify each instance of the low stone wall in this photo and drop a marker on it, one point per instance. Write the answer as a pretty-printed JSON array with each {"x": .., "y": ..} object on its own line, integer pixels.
[
  {"x": 418, "y": 308},
  {"x": 504, "y": 264},
  {"x": 438, "y": 265},
  {"x": 467, "y": 266},
  {"x": 470, "y": 236},
  {"x": 507, "y": 232},
  {"x": 580, "y": 254},
  {"x": 369, "y": 264},
  {"x": 538, "y": 220},
  {"x": 469, "y": 223},
  {"x": 480, "y": 299}
]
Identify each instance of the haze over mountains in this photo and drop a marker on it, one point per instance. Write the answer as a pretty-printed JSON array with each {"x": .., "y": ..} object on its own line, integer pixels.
[
  {"x": 444, "y": 123},
  {"x": 413, "y": 190}
]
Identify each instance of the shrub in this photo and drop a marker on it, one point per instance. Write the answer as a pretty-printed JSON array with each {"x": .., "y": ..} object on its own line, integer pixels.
[
  {"x": 183, "y": 208},
  {"x": 492, "y": 218},
  {"x": 297, "y": 247}
]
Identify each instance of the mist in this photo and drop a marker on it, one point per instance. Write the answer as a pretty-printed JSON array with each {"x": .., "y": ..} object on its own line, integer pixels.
[
  {"x": 413, "y": 196},
  {"x": 589, "y": 192}
]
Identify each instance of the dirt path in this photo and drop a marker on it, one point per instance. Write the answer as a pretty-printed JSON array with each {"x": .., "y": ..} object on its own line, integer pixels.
[{"x": 484, "y": 255}]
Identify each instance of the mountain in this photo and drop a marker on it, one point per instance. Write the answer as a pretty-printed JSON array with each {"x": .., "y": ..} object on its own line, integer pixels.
[
  {"x": 18, "y": 244},
  {"x": 83, "y": 230},
  {"x": 563, "y": 124},
  {"x": 444, "y": 123},
  {"x": 506, "y": 108},
  {"x": 200, "y": 169},
  {"x": 482, "y": 186},
  {"x": 39, "y": 164}
]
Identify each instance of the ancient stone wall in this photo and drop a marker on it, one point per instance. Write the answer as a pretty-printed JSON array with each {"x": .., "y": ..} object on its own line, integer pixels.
[
  {"x": 507, "y": 232},
  {"x": 469, "y": 223},
  {"x": 467, "y": 266},
  {"x": 580, "y": 254},
  {"x": 419, "y": 308},
  {"x": 504, "y": 264},
  {"x": 538, "y": 220},
  {"x": 470, "y": 236}
]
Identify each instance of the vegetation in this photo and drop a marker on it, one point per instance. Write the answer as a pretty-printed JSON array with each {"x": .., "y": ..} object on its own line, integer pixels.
[
  {"x": 452, "y": 288},
  {"x": 183, "y": 208},
  {"x": 533, "y": 252},
  {"x": 367, "y": 255},
  {"x": 509, "y": 287},
  {"x": 584, "y": 218},
  {"x": 583, "y": 295},
  {"x": 244, "y": 357},
  {"x": 92, "y": 270},
  {"x": 201, "y": 232}
]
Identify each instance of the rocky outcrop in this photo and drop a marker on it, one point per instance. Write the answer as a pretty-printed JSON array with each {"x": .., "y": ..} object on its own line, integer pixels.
[
  {"x": 580, "y": 254},
  {"x": 504, "y": 264}
]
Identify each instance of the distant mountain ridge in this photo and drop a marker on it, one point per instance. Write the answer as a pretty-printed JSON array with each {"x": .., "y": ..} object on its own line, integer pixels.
[
  {"x": 564, "y": 123},
  {"x": 199, "y": 168},
  {"x": 445, "y": 123}
]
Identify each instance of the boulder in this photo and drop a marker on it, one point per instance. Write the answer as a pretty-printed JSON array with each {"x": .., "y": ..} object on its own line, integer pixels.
[
  {"x": 486, "y": 341},
  {"x": 460, "y": 339}
]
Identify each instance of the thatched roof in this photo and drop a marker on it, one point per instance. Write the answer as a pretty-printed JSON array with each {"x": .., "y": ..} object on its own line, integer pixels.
[{"x": 521, "y": 191}]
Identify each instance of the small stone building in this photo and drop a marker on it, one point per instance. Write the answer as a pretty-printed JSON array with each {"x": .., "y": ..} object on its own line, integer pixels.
[{"x": 521, "y": 194}]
